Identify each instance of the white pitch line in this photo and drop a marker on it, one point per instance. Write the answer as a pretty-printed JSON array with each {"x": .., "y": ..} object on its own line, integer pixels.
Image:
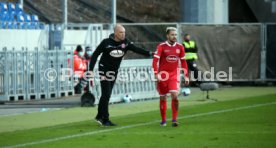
[{"x": 137, "y": 125}]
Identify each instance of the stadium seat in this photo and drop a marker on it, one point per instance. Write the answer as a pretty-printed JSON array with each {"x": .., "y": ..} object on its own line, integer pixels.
[
  {"x": 11, "y": 8},
  {"x": 12, "y": 16},
  {"x": 18, "y": 8},
  {"x": 34, "y": 18},
  {"x": 21, "y": 25},
  {"x": 27, "y": 17},
  {"x": 11, "y": 25},
  {"x": 4, "y": 16},
  {"x": 20, "y": 18},
  {"x": 3, "y": 25},
  {"x": 35, "y": 22},
  {"x": 3, "y": 7}
]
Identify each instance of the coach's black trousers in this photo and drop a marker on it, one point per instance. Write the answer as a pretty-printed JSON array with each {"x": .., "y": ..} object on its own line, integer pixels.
[{"x": 106, "y": 88}]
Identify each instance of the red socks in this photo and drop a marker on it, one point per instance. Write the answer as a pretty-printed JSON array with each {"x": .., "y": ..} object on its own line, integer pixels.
[
  {"x": 174, "y": 109},
  {"x": 163, "y": 109}
]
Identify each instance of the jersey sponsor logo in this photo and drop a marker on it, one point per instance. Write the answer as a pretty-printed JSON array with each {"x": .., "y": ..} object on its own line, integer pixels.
[
  {"x": 166, "y": 50},
  {"x": 117, "y": 53},
  {"x": 172, "y": 58},
  {"x": 177, "y": 50}
]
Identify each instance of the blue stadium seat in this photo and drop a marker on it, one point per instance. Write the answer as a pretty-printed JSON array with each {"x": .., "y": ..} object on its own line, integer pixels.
[
  {"x": 21, "y": 25},
  {"x": 4, "y": 16},
  {"x": 11, "y": 25},
  {"x": 35, "y": 22},
  {"x": 20, "y": 17},
  {"x": 3, "y": 7},
  {"x": 11, "y": 8},
  {"x": 12, "y": 16},
  {"x": 35, "y": 18},
  {"x": 27, "y": 17},
  {"x": 18, "y": 8},
  {"x": 3, "y": 25}
]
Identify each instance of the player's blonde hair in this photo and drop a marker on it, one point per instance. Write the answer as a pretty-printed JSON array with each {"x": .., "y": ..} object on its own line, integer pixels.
[{"x": 169, "y": 29}]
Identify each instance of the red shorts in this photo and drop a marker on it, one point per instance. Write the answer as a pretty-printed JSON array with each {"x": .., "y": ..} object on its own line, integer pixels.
[
  {"x": 169, "y": 83},
  {"x": 168, "y": 86}
]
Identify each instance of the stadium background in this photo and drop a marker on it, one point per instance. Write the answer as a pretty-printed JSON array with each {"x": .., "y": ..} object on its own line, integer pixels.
[{"x": 229, "y": 33}]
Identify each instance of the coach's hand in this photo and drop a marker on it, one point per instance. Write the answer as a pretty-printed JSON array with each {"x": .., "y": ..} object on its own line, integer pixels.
[{"x": 151, "y": 54}]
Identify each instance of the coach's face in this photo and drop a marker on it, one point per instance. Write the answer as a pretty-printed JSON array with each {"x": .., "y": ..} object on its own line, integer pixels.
[
  {"x": 120, "y": 33},
  {"x": 172, "y": 36}
]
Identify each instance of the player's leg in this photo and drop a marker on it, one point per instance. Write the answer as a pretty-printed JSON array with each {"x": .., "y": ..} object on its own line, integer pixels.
[
  {"x": 163, "y": 109},
  {"x": 162, "y": 89},
  {"x": 173, "y": 89},
  {"x": 175, "y": 106}
]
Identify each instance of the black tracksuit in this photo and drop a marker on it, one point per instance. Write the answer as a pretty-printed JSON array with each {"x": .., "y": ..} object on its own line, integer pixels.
[{"x": 112, "y": 55}]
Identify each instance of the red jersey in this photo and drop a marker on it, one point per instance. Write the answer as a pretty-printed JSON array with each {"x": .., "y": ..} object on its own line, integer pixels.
[{"x": 168, "y": 57}]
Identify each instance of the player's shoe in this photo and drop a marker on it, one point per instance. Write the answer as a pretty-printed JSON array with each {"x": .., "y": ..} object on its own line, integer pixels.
[
  {"x": 100, "y": 121},
  {"x": 174, "y": 123},
  {"x": 163, "y": 123},
  {"x": 108, "y": 123}
]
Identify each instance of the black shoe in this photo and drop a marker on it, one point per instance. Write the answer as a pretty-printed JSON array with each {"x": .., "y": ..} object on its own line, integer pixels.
[
  {"x": 100, "y": 121},
  {"x": 108, "y": 123},
  {"x": 174, "y": 124}
]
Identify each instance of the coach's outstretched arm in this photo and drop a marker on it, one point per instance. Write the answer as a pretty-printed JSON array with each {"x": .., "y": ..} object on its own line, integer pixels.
[{"x": 138, "y": 50}]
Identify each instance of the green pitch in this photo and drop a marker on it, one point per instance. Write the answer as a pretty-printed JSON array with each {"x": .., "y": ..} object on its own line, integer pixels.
[{"x": 243, "y": 117}]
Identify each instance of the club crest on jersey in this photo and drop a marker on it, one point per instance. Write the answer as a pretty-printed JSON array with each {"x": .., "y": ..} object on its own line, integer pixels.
[
  {"x": 123, "y": 45},
  {"x": 117, "y": 53},
  {"x": 172, "y": 58},
  {"x": 177, "y": 50}
]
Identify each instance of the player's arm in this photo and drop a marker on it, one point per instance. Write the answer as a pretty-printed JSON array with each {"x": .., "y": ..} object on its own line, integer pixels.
[
  {"x": 184, "y": 66},
  {"x": 138, "y": 50},
  {"x": 156, "y": 57}
]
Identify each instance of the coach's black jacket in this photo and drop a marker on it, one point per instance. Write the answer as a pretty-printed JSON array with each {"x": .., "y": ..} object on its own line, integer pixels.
[{"x": 113, "y": 53}]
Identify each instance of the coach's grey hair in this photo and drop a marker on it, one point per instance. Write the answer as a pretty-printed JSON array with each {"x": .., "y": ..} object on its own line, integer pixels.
[{"x": 169, "y": 29}]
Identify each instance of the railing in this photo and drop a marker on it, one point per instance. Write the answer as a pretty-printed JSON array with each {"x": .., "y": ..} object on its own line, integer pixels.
[
  {"x": 27, "y": 75},
  {"x": 35, "y": 75},
  {"x": 135, "y": 78}
]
